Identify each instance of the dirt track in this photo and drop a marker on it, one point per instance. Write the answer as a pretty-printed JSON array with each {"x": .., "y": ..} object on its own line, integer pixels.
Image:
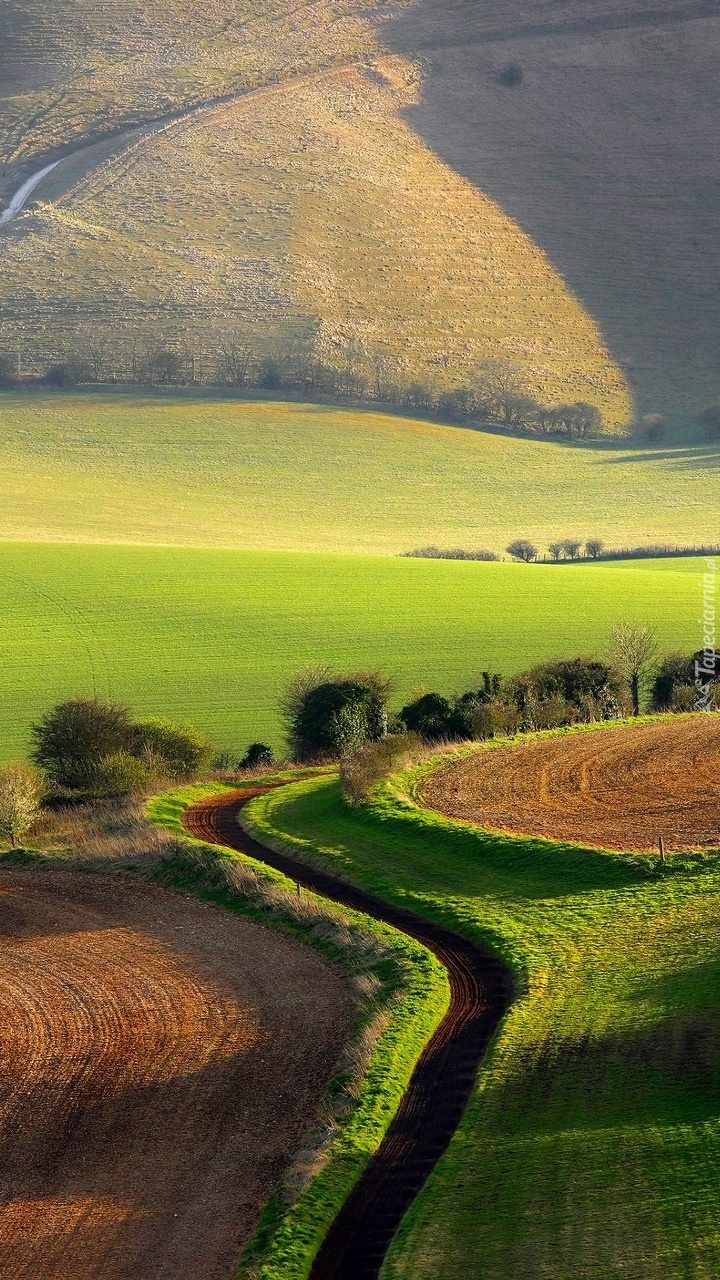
[
  {"x": 442, "y": 1082},
  {"x": 617, "y": 788},
  {"x": 159, "y": 1063}
]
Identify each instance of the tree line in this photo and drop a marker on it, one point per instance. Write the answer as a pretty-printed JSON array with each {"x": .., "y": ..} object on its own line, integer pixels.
[
  {"x": 495, "y": 393},
  {"x": 567, "y": 549},
  {"x": 87, "y": 749}
]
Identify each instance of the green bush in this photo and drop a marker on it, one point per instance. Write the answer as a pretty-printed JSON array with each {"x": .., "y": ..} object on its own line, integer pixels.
[
  {"x": 327, "y": 717},
  {"x": 436, "y": 719},
  {"x": 177, "y": 751},
  {"x": 88, "y": 745},
  {"x": 72, "y": 739},
  {"x": 258, "y": 755},
  {"x": 120, "y": 774}
]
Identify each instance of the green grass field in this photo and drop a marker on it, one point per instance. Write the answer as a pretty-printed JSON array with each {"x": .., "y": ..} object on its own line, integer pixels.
[
  {"x": 188, "y": 471},
  {"x": 591, "y": 1147},
  {"x": 214, "y": 635},
  {"x": 402, "y": 991}
]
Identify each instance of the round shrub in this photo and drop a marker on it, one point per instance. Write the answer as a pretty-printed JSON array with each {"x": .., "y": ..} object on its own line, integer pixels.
[
  {"x": 258, "y": 756},
  {"x": 177, "y": 750},
  {"x": 72, "y": 739},
  {"x": 120, "y": 774}
]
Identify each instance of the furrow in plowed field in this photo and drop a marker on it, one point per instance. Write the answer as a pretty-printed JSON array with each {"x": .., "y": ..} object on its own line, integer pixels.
[
  {"x": 619, "y": 788},
  {"x": 160, "y": 1061},
  {"x": 431, "y": 1108}
]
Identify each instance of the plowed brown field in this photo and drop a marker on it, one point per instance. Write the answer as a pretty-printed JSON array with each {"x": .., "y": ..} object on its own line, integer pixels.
[
  {"x": 160, "y": 1061},
  {"x": 617, "y": 788}
]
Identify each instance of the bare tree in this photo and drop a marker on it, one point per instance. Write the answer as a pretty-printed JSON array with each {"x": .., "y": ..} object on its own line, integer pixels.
[
  {"x": 234, "y": 363},
  {"x": 501, "y": 389},
  {"x": 593, "y": 548},
  {"x": 383, "y": 369},
  {"x": 20, "y": 795},
  {"x": 556, "y": 550},
  {"x": 571, "y": 547},
  {"x": 634, "y": 651},
  {"x": 97, "y": 355},
  {"x": 522, "y": 549}
]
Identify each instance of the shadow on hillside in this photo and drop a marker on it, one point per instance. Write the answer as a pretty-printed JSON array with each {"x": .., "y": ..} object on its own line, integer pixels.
[
  {"x": 450, "y": 858},
  {"x": 667, "y": 1072},
  {"x": 691, "y": 458},
  {"x": 605, "y": 155}
]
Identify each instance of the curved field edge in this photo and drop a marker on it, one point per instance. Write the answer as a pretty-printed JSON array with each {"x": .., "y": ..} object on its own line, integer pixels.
[
  {"x": 592, "y": 1143},
  {"x": 403, "y": 995},
  {"x": 632, "y": 778}
]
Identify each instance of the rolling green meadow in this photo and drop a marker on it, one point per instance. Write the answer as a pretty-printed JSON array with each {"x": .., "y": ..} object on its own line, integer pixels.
[
  {"x": 394, "y": 201},
  {"x": 184, "y": 470},
  {"x": 214, "y": 635},
  {"x": 591, "y": 1146}
]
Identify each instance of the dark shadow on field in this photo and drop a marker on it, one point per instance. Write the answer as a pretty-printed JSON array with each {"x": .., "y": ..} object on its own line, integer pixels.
[
  {"x": 665, "y": 1075},
  {"x": 605, "y": 155},
  {"x": 25, "y": 891},
  {"x": 190, "y": 1163},
  {"x": 694, "y": 987},
  {"x": 469, "y": 860},
  {"x": 697, "y": 458}
]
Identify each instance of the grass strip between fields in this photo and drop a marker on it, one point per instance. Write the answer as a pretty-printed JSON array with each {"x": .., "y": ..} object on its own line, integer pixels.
[
  {"x": 592, "y": 1143},
  {"x": 403, "y": 996}
]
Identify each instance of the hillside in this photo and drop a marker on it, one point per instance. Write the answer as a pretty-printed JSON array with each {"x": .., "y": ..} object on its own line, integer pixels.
[
  {"x": 193, "y": 471},
  {"x": 378, "y": 190},
  {"x": 306, "y": 212}
]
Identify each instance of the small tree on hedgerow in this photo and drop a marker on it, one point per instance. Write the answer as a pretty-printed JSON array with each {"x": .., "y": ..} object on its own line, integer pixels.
[
  {"x": 177, "y": 751},
  {"x": 21, "y": 792},
  {"x": 72, "y": 739},
  {"x": 634, "y": 651},
  {"x": 87, "y": 745},
  {"x": 594, "y": 548},
  {"x": 571, "y": 547},
  {"x": 258, "y": 756},
  {"x": 522, "y": 549}
]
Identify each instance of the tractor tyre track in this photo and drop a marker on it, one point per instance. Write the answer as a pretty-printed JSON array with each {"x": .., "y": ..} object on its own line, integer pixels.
[{"x": 443, "y": 1079}]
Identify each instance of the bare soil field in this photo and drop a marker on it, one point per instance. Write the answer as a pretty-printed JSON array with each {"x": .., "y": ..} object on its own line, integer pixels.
[
  {"x": 160, "y": 1061},
  {"x": 617, "y": 788}
]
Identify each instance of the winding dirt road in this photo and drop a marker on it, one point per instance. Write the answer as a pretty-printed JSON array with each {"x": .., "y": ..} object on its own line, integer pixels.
[{"x": 431, "y": 1108}]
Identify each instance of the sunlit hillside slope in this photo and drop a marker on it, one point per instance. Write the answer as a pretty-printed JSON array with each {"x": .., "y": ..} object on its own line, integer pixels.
[
  {"x": 206, "y": 472},
  {"x": 305, "y": 208},
  {"x": 377, "y": 186}
]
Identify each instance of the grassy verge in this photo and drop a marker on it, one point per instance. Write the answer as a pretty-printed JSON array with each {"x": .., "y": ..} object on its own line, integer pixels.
[
  {"x": 402, "y": 994},
  {"x": 591, "y": 1146}
]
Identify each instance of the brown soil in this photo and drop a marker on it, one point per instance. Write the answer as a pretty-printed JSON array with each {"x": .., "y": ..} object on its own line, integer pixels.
[
  {"x": 616, "y": 788},
  {"x": 159, "y": 1063},
  {"x": 433, "y": 1103}
]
